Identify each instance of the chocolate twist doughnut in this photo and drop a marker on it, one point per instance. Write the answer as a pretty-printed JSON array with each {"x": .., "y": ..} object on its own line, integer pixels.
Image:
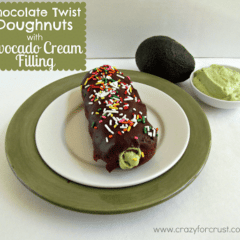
[{"x": 118, "y": 124}]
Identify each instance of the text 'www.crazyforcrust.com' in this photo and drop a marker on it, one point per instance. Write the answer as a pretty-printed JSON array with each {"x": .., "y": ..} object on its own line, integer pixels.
[{"x": 196, "y": 230}]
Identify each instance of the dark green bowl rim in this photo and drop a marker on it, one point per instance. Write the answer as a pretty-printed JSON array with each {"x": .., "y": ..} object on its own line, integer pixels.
[{"x": 31, "y": 170}]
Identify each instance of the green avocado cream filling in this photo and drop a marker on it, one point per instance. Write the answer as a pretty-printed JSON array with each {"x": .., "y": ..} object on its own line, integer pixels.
[
  {"x": 129, "y": 159},
  {"x": 219, "y": 82}
]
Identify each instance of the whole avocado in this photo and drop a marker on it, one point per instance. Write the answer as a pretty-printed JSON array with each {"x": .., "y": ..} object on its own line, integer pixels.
[{"x": 166, "y": 58}]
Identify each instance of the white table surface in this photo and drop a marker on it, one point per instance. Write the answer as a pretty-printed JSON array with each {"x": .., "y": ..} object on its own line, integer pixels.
[{"x": 211, "y": 204}]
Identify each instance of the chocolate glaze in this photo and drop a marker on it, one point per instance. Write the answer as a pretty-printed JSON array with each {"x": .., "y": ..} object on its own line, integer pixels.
[{"x": 119, "y": 141}]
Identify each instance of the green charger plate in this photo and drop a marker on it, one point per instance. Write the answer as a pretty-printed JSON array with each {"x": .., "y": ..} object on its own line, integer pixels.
[{"x": 31, "y": 170}]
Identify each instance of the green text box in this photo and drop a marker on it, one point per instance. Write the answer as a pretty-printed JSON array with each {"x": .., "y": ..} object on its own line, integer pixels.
[{"x": 43, "y": 36}]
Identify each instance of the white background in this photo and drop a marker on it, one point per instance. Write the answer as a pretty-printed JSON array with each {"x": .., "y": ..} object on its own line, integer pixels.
[{"x": 207, "y": 29}]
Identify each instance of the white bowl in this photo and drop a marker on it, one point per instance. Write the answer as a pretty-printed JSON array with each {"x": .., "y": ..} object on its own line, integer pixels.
[{"x": 214, "y": 102}]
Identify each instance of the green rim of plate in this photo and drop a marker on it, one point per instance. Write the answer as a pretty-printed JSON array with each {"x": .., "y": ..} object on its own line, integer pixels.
[{"x": 31, "y": 170}]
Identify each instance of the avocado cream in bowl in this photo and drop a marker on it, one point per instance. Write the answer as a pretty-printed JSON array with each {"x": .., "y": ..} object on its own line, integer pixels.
[{"x": 217, "y": 85}]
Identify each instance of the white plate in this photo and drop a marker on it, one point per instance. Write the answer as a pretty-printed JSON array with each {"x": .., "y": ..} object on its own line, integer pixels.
[{"x": 65, "y": 145}]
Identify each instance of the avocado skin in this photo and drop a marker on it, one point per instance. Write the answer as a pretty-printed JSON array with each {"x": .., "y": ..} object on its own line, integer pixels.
[{"x": 166, "y": 58}]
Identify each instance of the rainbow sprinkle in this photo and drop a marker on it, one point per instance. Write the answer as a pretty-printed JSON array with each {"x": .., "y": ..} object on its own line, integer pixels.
[{"x": 105, "y": 90}]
